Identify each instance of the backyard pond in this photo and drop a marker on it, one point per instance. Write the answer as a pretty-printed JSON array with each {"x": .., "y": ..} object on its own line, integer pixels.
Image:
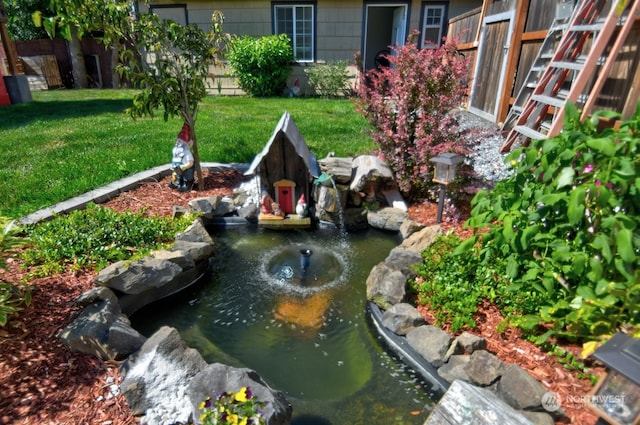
[{"x": 291, "y": 305}]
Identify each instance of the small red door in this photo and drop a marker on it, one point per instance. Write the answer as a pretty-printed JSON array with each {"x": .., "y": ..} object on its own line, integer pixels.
[{"x": 285, "y": 198}]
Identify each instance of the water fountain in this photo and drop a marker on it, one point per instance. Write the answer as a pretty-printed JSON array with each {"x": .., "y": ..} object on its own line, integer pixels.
[{"x": 292, "y": 306}]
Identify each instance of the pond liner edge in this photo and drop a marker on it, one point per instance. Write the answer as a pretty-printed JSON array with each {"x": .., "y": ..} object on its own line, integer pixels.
[{"x": 399, "y": 345}]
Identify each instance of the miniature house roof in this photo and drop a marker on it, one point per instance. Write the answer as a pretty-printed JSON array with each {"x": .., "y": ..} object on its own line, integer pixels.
[{"x": 286, "y": 131}]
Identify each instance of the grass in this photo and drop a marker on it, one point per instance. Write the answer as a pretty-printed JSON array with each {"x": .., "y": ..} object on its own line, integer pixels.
[{"x": 68, "y": 142}]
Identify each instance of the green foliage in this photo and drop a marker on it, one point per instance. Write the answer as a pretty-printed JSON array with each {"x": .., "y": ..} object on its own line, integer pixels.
[
  {"x": 232, "y": 408},
  {"x": 454, "y": 285},
  {"x": 261, "y": 65},
  {"x": 95, "y": 237},
  {"x": 567, "y": 225},
  {"x": 19, "y": 22},
  {"x": 571, "y": 363},
  {"x": 330, "y": 79},
  {"x": 12, "y": 297}
]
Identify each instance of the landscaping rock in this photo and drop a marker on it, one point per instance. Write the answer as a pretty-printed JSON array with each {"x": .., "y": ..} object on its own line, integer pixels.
[
  {"x": 409, "y": 227},
  {"x": 471, "y": 343},
  {"x": 196, "y": 232},
  {"x": 421, "y": 240},
  {"x": 403, "y": 260},
  {"x": 432, "y": 343},
  {"x": 157, "y": 376},
  {"x": 369, "y": 168},
  {"x": 135, "y": 277},
  {"x": 199, "y": 251},
  {"x": 402, "y": 318},
  {"x": 484, "y": 368},
  {"x": 385, "y": 286},
  {"x": 217, "y": 378},
  {"x": 387, "y": 218},
  {"x": 101, "y": 329},
  {"x": 180, "y": 258},
  {"x": 454, "y": 368},
  {"x": 519, "y": 389},
  {"x": 340, "y": 169},
  {"x": 538, "y": 418}
]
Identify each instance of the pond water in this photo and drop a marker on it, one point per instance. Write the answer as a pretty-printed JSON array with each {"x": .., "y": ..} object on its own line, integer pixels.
[{"x": 291, "y": 305}]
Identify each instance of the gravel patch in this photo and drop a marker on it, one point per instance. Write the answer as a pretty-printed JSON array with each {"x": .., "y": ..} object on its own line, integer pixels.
[{"x": 485, "y": 141}]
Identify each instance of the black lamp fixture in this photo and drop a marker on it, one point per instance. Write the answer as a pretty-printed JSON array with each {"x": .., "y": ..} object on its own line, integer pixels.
[
  {"x": 616, "y": 398},
  {"x": 444, "y": 173}
]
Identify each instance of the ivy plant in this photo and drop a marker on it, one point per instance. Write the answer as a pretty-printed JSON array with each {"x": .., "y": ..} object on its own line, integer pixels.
[{"x": 567, "y": 224}]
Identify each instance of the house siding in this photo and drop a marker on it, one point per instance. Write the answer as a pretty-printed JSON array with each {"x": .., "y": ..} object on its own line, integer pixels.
[{"x": 339, "y": 25}]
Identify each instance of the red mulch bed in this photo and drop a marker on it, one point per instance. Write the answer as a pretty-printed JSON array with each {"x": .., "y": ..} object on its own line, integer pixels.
[{"x": 43, "y": 383}]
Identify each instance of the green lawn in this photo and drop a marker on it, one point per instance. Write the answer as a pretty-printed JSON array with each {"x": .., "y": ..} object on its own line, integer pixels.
[{"x": 67, "y": 142}]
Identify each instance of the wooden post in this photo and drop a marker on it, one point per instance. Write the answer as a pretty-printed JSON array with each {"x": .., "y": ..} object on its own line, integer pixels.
[{"x": 7, "y": 43}]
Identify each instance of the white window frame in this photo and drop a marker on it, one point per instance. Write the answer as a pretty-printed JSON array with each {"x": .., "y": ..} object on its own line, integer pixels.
[
  {"x": 443, "y": 10},
  {"x": 295, "y": 8}
]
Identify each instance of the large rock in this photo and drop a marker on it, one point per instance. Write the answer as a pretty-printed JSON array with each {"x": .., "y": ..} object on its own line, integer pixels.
[
  {"x": 402, "y": 318},
  {"x": 135, "y": 277},
  {"x": 101, "y": 329},
  {"x": 431, "y": 342},
  {"x": 385, "y": 286},
  {"x": 520, "y": 389},
  {"x": 387, "y": 218},
  {"x": 199, "y": 251},
  {"x": 484, "y": 368},
  {"x": 368, "y": 168},
  {"x": 422, "y": 239},
  {"x": 454, "y": 368},
  {"x": 218, "y": 378},
  {"x": 157, "y": 376},
  {"x": 340, "y": 169},
  {"x": 196, "y": 232},
  {"x": 404, "y": 260}
]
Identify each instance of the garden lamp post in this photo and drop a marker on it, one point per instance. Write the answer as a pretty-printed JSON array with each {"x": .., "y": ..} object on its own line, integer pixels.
[
  {"x": 444, "y": 173},
  {"x": 616, "y": 398}
]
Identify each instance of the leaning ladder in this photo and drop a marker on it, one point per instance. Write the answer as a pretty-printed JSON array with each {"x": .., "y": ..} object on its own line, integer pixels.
[{"x": 569, "y": 57}]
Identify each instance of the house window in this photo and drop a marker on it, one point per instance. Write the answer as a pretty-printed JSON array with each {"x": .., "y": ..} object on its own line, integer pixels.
[
  {"x": 298, "y": 22},
  {"x": 434, "y": 19}
]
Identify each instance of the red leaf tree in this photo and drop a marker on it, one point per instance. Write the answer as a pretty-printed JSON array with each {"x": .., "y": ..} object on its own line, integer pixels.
[{"x": 409, "y": 104}]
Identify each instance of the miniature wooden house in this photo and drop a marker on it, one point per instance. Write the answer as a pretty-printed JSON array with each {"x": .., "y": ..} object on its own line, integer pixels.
[{"x": 286, "y": 168}]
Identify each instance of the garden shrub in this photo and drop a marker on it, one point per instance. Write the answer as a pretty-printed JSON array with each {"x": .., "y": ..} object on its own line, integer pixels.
[
  {"x": 261, "y": 65},
  {"x": 12, "y": 297},
  {"x": 566, "y": 223},
  {"x": 408, "y": 104},
  {"x": 330, "y": 79},
  {"x": 453, "y": 286},
  {"x": 95, "y": 237}
]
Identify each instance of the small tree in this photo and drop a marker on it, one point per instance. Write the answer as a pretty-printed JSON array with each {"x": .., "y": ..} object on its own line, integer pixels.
[
  {"x": 170, "y": 63},
  {"x": 409, "y": 104}
]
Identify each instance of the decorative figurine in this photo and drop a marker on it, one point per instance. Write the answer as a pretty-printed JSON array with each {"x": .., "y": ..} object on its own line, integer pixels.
[
  {"x": 265, "y": 204},
  {"x": 182, "y": 169},
  {"x": 301, "y": 207}
]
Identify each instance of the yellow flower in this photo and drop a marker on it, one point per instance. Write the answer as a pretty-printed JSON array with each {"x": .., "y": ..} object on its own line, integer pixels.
[
  {"x": 241, "y": 395},
  {"x": 243, "y": 421},
  {"x": 232, "y": 418}
]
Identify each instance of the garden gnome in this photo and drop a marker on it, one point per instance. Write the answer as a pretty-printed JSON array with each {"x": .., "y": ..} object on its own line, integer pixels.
[
  {"x": 301, "y": 207},
  {"x": 182, "y": 162}
]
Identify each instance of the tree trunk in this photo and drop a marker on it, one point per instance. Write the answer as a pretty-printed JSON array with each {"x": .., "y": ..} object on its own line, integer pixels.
[
  {"x": 79, "y": 70},
  {"x": 115, "y": 77}
]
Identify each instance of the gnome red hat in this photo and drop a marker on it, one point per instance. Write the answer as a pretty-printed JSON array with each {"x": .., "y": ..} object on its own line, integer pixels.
[
  {"x": 302, "y": 199},
  {"x": 184, "y": 133}
]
